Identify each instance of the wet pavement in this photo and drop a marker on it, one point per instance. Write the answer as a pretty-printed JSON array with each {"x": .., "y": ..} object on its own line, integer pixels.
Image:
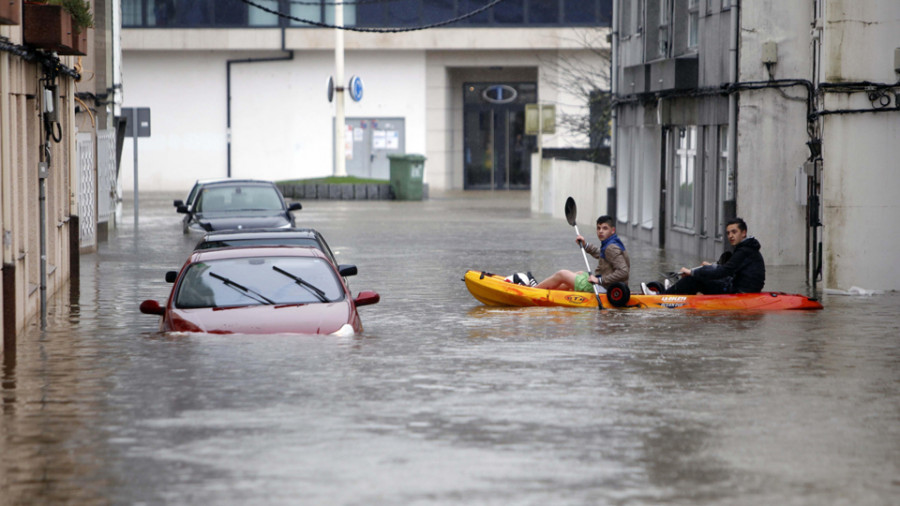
[{"x": 442, "y": 400}]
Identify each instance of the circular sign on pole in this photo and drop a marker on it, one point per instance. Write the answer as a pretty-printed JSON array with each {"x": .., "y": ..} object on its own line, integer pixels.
[
  {"x": 356, "y": 88},
  {"x": 330, "y": 88}
]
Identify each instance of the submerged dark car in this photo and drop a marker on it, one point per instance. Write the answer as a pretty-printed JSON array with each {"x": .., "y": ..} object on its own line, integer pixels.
[
  {"x": 237, "y": 205},
  {"x": 267, "y": 237}
]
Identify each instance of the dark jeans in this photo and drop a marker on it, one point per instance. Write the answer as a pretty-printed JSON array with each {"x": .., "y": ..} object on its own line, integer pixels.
[{"x": 690, "y": 285}]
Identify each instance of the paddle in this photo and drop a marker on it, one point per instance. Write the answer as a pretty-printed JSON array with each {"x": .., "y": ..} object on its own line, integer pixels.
[{"x": 571, "y": 212}]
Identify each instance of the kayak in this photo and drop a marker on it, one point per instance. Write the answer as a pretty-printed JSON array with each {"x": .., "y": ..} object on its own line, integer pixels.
[{"x": 494, "y": 290}]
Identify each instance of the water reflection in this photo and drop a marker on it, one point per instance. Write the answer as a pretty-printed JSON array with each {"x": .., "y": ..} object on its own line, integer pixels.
[{"x": 442, "y": 400}]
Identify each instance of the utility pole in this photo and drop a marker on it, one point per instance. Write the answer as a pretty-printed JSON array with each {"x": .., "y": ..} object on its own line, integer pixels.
[{"x": 340, "y": 169}]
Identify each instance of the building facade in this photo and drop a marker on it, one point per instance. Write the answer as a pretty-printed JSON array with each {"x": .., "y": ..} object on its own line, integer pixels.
[
  {"x": 778, "y": 112},
  {"x": 57, "y": 143},
  {"x": 237, "y": 91}
]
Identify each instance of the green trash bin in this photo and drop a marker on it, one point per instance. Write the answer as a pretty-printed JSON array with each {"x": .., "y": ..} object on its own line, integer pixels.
[{"x": 406, "y": 176}]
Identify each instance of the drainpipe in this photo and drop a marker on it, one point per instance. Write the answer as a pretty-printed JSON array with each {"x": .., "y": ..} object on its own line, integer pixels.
[
  {"x": 228, "y": 63},
  {"x": 614, "y": 89},
  {"x": 731, "y": 174},
  {"x": 6, "y": 216}
]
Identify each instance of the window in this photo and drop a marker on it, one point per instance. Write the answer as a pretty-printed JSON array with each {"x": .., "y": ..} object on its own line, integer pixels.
[
  {"x": 543, "y": 12},
  {"x": 365, "y": 13},
  {"x": 626, "y": 29},
  {"x": 683, "y": 188},
  {"x": 693, "y": 22},
  {"x": 509, "y": 12},
  {"x": 578, "y": 11},
  {"x": 436, "y": 11},
  {"x": 721, "y": 180},
  {"x": 663, "y": 29},
  {"x": 259, "y": 17},
  {"x": 726, "y": 4}
]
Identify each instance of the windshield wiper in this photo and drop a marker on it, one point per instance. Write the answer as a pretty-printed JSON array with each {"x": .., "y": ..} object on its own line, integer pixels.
[
  {"x": 242, "y": 289},
  {"x": 305, "y": 284}
]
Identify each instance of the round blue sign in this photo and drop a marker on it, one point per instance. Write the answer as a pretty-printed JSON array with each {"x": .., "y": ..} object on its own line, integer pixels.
[{"x": 356, "y": 88}]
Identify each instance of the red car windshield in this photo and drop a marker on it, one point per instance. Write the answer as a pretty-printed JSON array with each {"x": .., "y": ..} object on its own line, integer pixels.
[{"x": 258, "y": 280}]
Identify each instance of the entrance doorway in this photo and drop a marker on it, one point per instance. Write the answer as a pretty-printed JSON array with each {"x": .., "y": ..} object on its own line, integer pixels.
[
  {"x": 497, "y": 151},
  {"x": 369, "y": 141}
]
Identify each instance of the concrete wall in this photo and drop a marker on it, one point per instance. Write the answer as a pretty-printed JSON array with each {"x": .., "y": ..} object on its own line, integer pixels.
[
  {"x": 558, "y": 180},
  {"x": 20, "y": 149},
  {"x": 861, "y": 150},
  {"x": 281, "y": 118},
  {"x": 772, "y": 129}
]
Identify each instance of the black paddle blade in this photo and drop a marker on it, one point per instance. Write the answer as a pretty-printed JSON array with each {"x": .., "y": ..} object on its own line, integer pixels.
[{"x": 571, "y": 211}]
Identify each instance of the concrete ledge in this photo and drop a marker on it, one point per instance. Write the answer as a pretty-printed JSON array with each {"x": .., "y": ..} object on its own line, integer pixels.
[{"x": 370, "y": 191}]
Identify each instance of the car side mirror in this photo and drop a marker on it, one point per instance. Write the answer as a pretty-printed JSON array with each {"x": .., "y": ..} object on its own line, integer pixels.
[
  {"x": 182, "y": 209},
  {"x": 171, "y": 276},
  {"x": 295, "y": 207},
  {"x": 367, "y": 297},
  {"x": 153, "y": 307},
  {"x": 347, "y": 270},
  {"x": 178, "y": 203}
]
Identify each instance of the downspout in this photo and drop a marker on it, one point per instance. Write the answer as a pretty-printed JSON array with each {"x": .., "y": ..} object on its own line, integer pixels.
[
  {"x": 813, "y": 204},
  {"x": 614, "y": 89},
  {"x": 8, "y": 272},
  {"x": 731, "y": 170},
  {"x": 228, "y": 63}
]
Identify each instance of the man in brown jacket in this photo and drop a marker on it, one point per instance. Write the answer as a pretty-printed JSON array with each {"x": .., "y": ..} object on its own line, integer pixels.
[{"x": 613, "y": 264}]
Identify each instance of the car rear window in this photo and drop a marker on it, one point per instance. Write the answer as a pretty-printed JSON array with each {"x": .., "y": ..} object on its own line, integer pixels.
[
  {"x": 258, "y": 281},
  {"x": 239, "y": 198}
]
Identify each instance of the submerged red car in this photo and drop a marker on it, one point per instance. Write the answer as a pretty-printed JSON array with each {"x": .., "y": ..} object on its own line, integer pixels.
[{"x": 261, "y": 290}]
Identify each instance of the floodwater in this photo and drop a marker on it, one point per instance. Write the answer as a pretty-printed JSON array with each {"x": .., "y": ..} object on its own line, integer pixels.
[{"x": 442, "y": 400}]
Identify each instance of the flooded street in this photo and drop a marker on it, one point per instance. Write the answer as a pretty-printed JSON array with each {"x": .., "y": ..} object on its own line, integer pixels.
[{"x": 442, "y": 400}]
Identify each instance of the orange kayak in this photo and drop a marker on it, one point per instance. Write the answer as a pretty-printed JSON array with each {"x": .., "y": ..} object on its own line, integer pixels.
[{"x": 494, "y": 290}]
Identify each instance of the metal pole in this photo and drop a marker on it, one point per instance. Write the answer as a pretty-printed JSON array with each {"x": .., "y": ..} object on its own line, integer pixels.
[
  {"x": 731, "y": 169},
  {"x": 540, "y": 136},
  {"x": 136, "y": 200},
  {"x": 340, "y": 169},
  {"x": 42, "y": 200}
]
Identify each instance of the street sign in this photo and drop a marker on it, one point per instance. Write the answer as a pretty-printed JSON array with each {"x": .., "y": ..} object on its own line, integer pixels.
[
  {"x": 356, "y": 88},
  {"x": 137, "y": 124},
  {"x": 137, "y": 119}
]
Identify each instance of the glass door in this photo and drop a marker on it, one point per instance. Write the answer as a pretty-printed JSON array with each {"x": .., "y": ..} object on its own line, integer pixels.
[{"x": 497, "y": 153}]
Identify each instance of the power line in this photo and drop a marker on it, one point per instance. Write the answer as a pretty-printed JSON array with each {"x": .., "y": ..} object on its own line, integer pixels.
[
  {"x": 375, "y": 30},
  {"x": 357, "y": 2}
]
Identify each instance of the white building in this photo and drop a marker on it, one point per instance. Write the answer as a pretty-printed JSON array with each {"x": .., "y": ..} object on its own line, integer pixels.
[
  {"x": 455, "y": 94},
  {"x": 784, "y": 113}
]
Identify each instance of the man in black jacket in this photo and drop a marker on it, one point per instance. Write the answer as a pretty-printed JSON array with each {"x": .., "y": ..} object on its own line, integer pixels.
[{"x": 744, "y": 272}]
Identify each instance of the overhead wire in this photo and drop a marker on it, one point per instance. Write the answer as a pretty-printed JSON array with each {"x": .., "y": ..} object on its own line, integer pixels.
[
  {"x": 375, "y": 30},
  {"x": 357, "y": 2}
]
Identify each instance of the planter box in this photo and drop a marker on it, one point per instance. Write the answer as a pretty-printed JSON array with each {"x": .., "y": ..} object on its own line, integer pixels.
[
  {"x": 10, "y": 12},
  {"x": 47, "y": 27},
  {"x": 79, "y": 45}
]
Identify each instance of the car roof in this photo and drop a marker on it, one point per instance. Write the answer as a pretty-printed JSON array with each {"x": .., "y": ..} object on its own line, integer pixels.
[
  {"x": 256, "y": 251},
  {"x": 260, "y": 233},
  {"x": 229, "y": 180},
  {"x": 239, "y": 182}
]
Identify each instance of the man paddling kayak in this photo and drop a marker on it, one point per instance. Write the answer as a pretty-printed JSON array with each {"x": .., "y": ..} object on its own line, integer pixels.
[
  {"x": 744, "y": 272},
  {"x": 613, "y": 263}
]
